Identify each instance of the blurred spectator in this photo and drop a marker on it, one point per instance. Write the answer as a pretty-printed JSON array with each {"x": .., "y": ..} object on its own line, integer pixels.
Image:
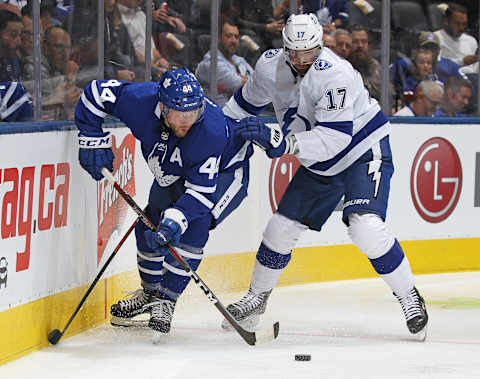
[
  {"x": 455, "y": 44},
  {"x": 15, "y": 103},
  {"x": 456, "y": 98},
  {"x": 10, "y": 39},
  {"x": 332, "y": 14},
  {"x": 329, "y": 41},
  {"x": 343, "y": 40},
  {"x": 363, "y": 62},
  {"x": 58, "y": 74},
  {"x": 172, "y": 37},
  {"x": 406, "y": 79},
  {"x": 281, "y": 8},
  {"x": 255, "y": 19},
  {"x": 135, "y": 21},
  {"x": 233, "y": 71},
  {"x": 444, "y": 68},
  {"x": 427, "y": 99},
  {"x": 26, "y": 47},
  {"x": 46, "y": 11}
]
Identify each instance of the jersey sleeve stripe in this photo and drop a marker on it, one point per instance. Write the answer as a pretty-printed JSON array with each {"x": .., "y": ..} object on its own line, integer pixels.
[
  {"x": 198, "y": 188},
  {"x": 9, "y": 93},
  {"x": 245, "y": 105},
  {"x": 240, "y": 155},
  {"x": 341, "y": 126},
  {"x": 91, "y": 107},
  {"x": 200, "y": 198},
  {"x": 96, "y": 95},
  {"x": 17, "y": 104}
]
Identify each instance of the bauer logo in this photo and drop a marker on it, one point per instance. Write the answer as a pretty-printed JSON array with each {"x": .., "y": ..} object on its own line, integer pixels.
[
  {"x": 111, "y": 207},
  {"x": 436, "y": 179},
  {"x": 281, "y": 173}
]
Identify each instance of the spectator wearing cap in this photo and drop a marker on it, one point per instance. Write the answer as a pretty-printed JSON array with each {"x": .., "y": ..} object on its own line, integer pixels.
[
  {"x": 444, "y": 68},
  {"x": 456, "y": 98},
  {"x": 233, "y": 70},
  {"x": 10, "y": 39},
  {"x": 455, "y": 44},
  {"x": 427, "y": 99}
]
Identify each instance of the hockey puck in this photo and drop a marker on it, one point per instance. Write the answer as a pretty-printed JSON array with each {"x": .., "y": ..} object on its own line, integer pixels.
[{"x": 303, "y": 357}]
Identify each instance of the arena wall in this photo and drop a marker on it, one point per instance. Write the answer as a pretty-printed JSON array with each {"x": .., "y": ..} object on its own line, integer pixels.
[{"x": 58, "y": 226}]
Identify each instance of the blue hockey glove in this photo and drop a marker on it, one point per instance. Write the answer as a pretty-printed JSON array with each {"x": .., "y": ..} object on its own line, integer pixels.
[
  {"x": 254, "y": 129},
  {"x": 95, "y": 152},
  {"x": 168, "y": 232}
]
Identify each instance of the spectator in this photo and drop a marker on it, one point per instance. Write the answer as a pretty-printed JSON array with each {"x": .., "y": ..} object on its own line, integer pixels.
[
  {"x": 363, "y": 62},
  {"x": 12, "y": 8},
  {"x": 26, "y": 47},
  {"x": 442, "y": 67},
  {"x": 172, "y": 37},
  {"x": 233, "y": 71},
  {"x": 10, "y": 39},
  {"x": 405, "y": 81},
  {"x": 332, "y": 14},
  {"x": 135, "y": 21},
  {"x": 455, "y": 44},
  {"x": 58, "y": 74},
  {"x": 46, "y": 10},
  {"x": 255, "y": 19},
  {"x": 329, "y": 41},
  {"x": 456, "y": 98},
  {"x": 15, "y": 103},
  {"x": 343, "y": 43},
  {"x": 428, "y": 96}
]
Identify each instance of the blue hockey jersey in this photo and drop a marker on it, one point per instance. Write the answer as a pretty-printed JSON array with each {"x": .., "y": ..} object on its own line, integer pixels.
[
  {"x": 15, "y": 103},
  {"x": 209, "y": 147}
]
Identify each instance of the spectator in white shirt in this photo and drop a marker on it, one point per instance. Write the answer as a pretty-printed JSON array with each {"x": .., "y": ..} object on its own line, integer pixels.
[
  {"x": 455, "y": 44},
  {"x": 233, "y": 71}
]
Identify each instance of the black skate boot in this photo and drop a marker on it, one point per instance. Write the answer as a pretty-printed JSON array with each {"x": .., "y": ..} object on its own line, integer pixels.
[
  {"x": 248, "y": 309},
  {"x": 161, "y": 313},
  {"x": 135, "y": 304},
  {"x": 413, "y": 307}
]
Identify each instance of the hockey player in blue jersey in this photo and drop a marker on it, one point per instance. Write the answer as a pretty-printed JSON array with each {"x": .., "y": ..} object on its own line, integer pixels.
[
  {"x": 340, "y": 136},
  {"x": 15, "y": 103},
  {"x": 201, "y": 175}
]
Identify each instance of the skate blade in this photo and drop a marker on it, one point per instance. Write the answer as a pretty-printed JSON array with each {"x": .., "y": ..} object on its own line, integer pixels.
[
  {"x": 421, "y": 336},
  {"x": 137, "y": 321},
  {"x": 249, "y": 324}
]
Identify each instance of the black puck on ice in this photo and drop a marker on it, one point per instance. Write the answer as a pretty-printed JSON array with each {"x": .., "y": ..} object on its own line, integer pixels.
[{"x": 303, "y": 357}]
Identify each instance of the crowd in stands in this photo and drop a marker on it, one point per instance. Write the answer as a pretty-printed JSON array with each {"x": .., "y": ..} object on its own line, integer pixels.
[{"x": 434, "y": 56}]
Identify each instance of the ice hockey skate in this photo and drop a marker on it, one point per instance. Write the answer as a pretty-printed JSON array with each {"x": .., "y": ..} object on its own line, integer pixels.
[
  {"x": 415, "y": 312},
  {"x": 248, "y": 309},
  {"x": 130, "y": 311}
]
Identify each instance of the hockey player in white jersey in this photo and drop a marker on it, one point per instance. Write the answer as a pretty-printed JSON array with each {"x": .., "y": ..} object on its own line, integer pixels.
[
  {"x": 340, "y": 136},
  {"x": 201, "y": 175}
]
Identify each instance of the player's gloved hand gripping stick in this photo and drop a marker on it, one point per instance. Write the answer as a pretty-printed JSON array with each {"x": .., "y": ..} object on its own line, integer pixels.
[{"x": 252, "y": 338}]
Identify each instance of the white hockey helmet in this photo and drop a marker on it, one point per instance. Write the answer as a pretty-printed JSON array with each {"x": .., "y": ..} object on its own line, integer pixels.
[{"x": 302, "y": 32}]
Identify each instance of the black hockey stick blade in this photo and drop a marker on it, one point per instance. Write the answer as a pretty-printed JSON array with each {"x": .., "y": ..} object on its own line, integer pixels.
[{"x": 54, "y": 336}]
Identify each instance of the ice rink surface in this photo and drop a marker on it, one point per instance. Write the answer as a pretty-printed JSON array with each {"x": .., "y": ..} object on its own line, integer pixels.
[{"x": 352, "y": 329}]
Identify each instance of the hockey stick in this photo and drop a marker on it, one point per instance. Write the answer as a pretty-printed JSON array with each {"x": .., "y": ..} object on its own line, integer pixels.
[
  {"x": 55, "y": 335},
  {"x": 252, "y": 338}
]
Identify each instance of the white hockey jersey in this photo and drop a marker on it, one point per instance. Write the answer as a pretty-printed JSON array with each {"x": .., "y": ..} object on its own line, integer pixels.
[{"x": 329, "y": 111}]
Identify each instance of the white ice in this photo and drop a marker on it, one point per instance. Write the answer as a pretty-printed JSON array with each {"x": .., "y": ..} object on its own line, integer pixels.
[{"x": 352, "y": 329}]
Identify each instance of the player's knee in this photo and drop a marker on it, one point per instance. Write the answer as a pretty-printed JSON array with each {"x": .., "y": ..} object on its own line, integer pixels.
[
  {"x": 370, "y": 234},
  {"x": 282, "y": 234}
]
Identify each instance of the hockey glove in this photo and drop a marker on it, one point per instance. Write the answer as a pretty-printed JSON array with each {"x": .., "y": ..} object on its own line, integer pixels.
[
  {"x": 169, "y": 231},
  {"x": 254, "y": 129},
  {"x": 287, "y": 146},
  {"x": 95, "y": 152}
]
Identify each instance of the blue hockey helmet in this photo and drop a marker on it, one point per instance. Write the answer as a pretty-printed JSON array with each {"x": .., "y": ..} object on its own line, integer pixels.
[{"x": 181, "y": 91}]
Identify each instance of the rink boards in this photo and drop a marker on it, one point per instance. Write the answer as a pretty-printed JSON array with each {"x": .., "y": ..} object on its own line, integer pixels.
[{"x": 58, "y": 226}]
